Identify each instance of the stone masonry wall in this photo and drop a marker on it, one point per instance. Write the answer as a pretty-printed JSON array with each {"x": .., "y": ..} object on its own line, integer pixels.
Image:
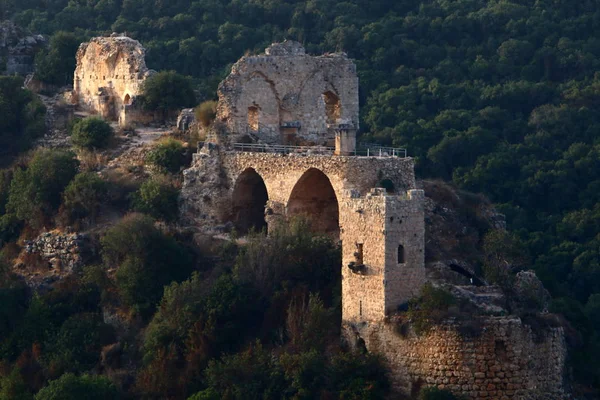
[
  {"x": 109, "y": 74},
  {"x": 290, "y": 91},
  {"x": 507, "y": 361},
  {"x": 209, "y": 183}
]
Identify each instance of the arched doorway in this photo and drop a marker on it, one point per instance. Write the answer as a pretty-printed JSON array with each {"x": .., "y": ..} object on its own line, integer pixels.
[
  {"x": 314, "y": 198},
  {"x": 127, "y": 100},
  {"x": 249, "y": 199}
]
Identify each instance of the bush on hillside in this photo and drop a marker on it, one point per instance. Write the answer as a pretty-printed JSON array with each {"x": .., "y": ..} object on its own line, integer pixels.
[
  {"x": 158, "y": 198},
  {"x": 167, "y": 156},
  {"x": 35, "y": 192},
  {"x": 82, "y": 198},
  {"x": 206, "y": 113},
  {"x": 91, "y": 133},
  {"x": 147, "y": 260},
  {"x": 167, "y": 91},
  {"x": 71, "y": 387}
]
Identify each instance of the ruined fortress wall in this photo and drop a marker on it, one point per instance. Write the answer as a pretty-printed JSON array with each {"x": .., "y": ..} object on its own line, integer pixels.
[
  {"x": 287, "y": 86},
  {"x": 109, "y": 74},
  {"x": 506, "y": 361},
  {"x": 209, "y": 183}
]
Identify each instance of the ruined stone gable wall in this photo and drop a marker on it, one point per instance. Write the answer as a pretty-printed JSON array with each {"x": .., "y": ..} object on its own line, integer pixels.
[
  {"x": 286, "y": 86},
  {"x": 506, "y": 361},
  {"x": 109, "y": 73}
]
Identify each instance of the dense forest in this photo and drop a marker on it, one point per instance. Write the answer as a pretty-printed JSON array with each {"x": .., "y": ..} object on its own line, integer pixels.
[{"x": 499, "y": 97}]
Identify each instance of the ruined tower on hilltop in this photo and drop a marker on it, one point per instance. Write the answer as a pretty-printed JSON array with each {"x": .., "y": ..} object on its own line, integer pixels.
[
  {"x": 109, "y": 76},
  {"x": 284, "y": 144}
]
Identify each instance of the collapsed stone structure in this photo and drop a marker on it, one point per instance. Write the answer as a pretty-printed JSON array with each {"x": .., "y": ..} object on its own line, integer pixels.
[
  {"x": 286, "y": 96},
  {"x": 249, "y": 176},
  {"x": 109, "y": 76}
]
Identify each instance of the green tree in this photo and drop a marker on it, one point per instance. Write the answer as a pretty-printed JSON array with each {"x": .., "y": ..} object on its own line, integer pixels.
[
  {"x": 91, "y": 133},
  {"x": 35, "y": 192},
  {"x": 71, "y": 387},
  {"x": 168, "y": 91},
  {"x": 56, "y": 64},
  {"x": 147, "y": 259},
  {"x": 83, "y": 198},
  {"x": 22, "y": 118}
]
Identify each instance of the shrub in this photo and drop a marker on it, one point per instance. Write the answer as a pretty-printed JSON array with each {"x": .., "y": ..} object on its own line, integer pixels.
[
  {"x": 206, "y": 113},
  {"x": 168, "y": 156},
  {"x": 83, "y": 197},
  {"x": 71, "y": 387},
  {"x": 158, "y": 198},
  {"x": 35, "y": 192},
  {"x": 147, "y": 259},
  {"x": 76, "y": 346},
  {"x": 91, "y": 133},
  {"x": 433, "y": 393},
  {"x": 430, "y": 308}
]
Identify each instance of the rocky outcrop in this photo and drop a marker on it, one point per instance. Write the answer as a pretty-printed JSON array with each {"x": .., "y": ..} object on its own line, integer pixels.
[
  {"x": 186, "y": 119},
  {"x": 18, "y": 49},
  {"x": 64, "y": 252}
]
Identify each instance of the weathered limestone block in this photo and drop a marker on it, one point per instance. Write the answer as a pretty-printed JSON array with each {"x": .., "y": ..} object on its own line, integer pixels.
[
  {"x": 286, "y": 96},
  {"x": 109, "y": 74}
]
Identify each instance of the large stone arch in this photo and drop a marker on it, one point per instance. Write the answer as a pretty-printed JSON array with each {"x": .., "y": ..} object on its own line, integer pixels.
[
  {"x": 248, "y": 201},
  {"x": 314, "y": 197}
]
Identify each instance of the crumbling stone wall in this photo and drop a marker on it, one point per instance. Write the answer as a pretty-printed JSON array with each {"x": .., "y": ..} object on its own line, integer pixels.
[
  {"x": 109, "y": 75},
  {"x": 506, "y": 360},
  {"x": 286, "y": 96}
]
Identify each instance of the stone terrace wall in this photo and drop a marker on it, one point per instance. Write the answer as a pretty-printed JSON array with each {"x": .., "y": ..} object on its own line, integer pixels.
[
  {"x": 209, "y": 183},
  {"x": 506, "y": 361},
  {"x": 287, "y": 86}
]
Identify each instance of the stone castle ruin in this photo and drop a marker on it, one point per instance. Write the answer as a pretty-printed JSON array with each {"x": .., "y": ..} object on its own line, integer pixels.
[
  {"x": 109, "y": 76},
  {"x": 270, "y": 159},
  {"x": 286, "y": 96}
]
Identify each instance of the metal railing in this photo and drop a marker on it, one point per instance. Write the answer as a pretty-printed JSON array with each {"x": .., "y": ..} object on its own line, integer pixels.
[
  {"x": 281, "y": 149},
  {"x": 363, "y": 150},
  {"x": 375, "y": 150}
]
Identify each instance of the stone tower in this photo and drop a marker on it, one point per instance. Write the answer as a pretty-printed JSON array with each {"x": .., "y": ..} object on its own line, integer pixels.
[{"x": 383, "y": 244}]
